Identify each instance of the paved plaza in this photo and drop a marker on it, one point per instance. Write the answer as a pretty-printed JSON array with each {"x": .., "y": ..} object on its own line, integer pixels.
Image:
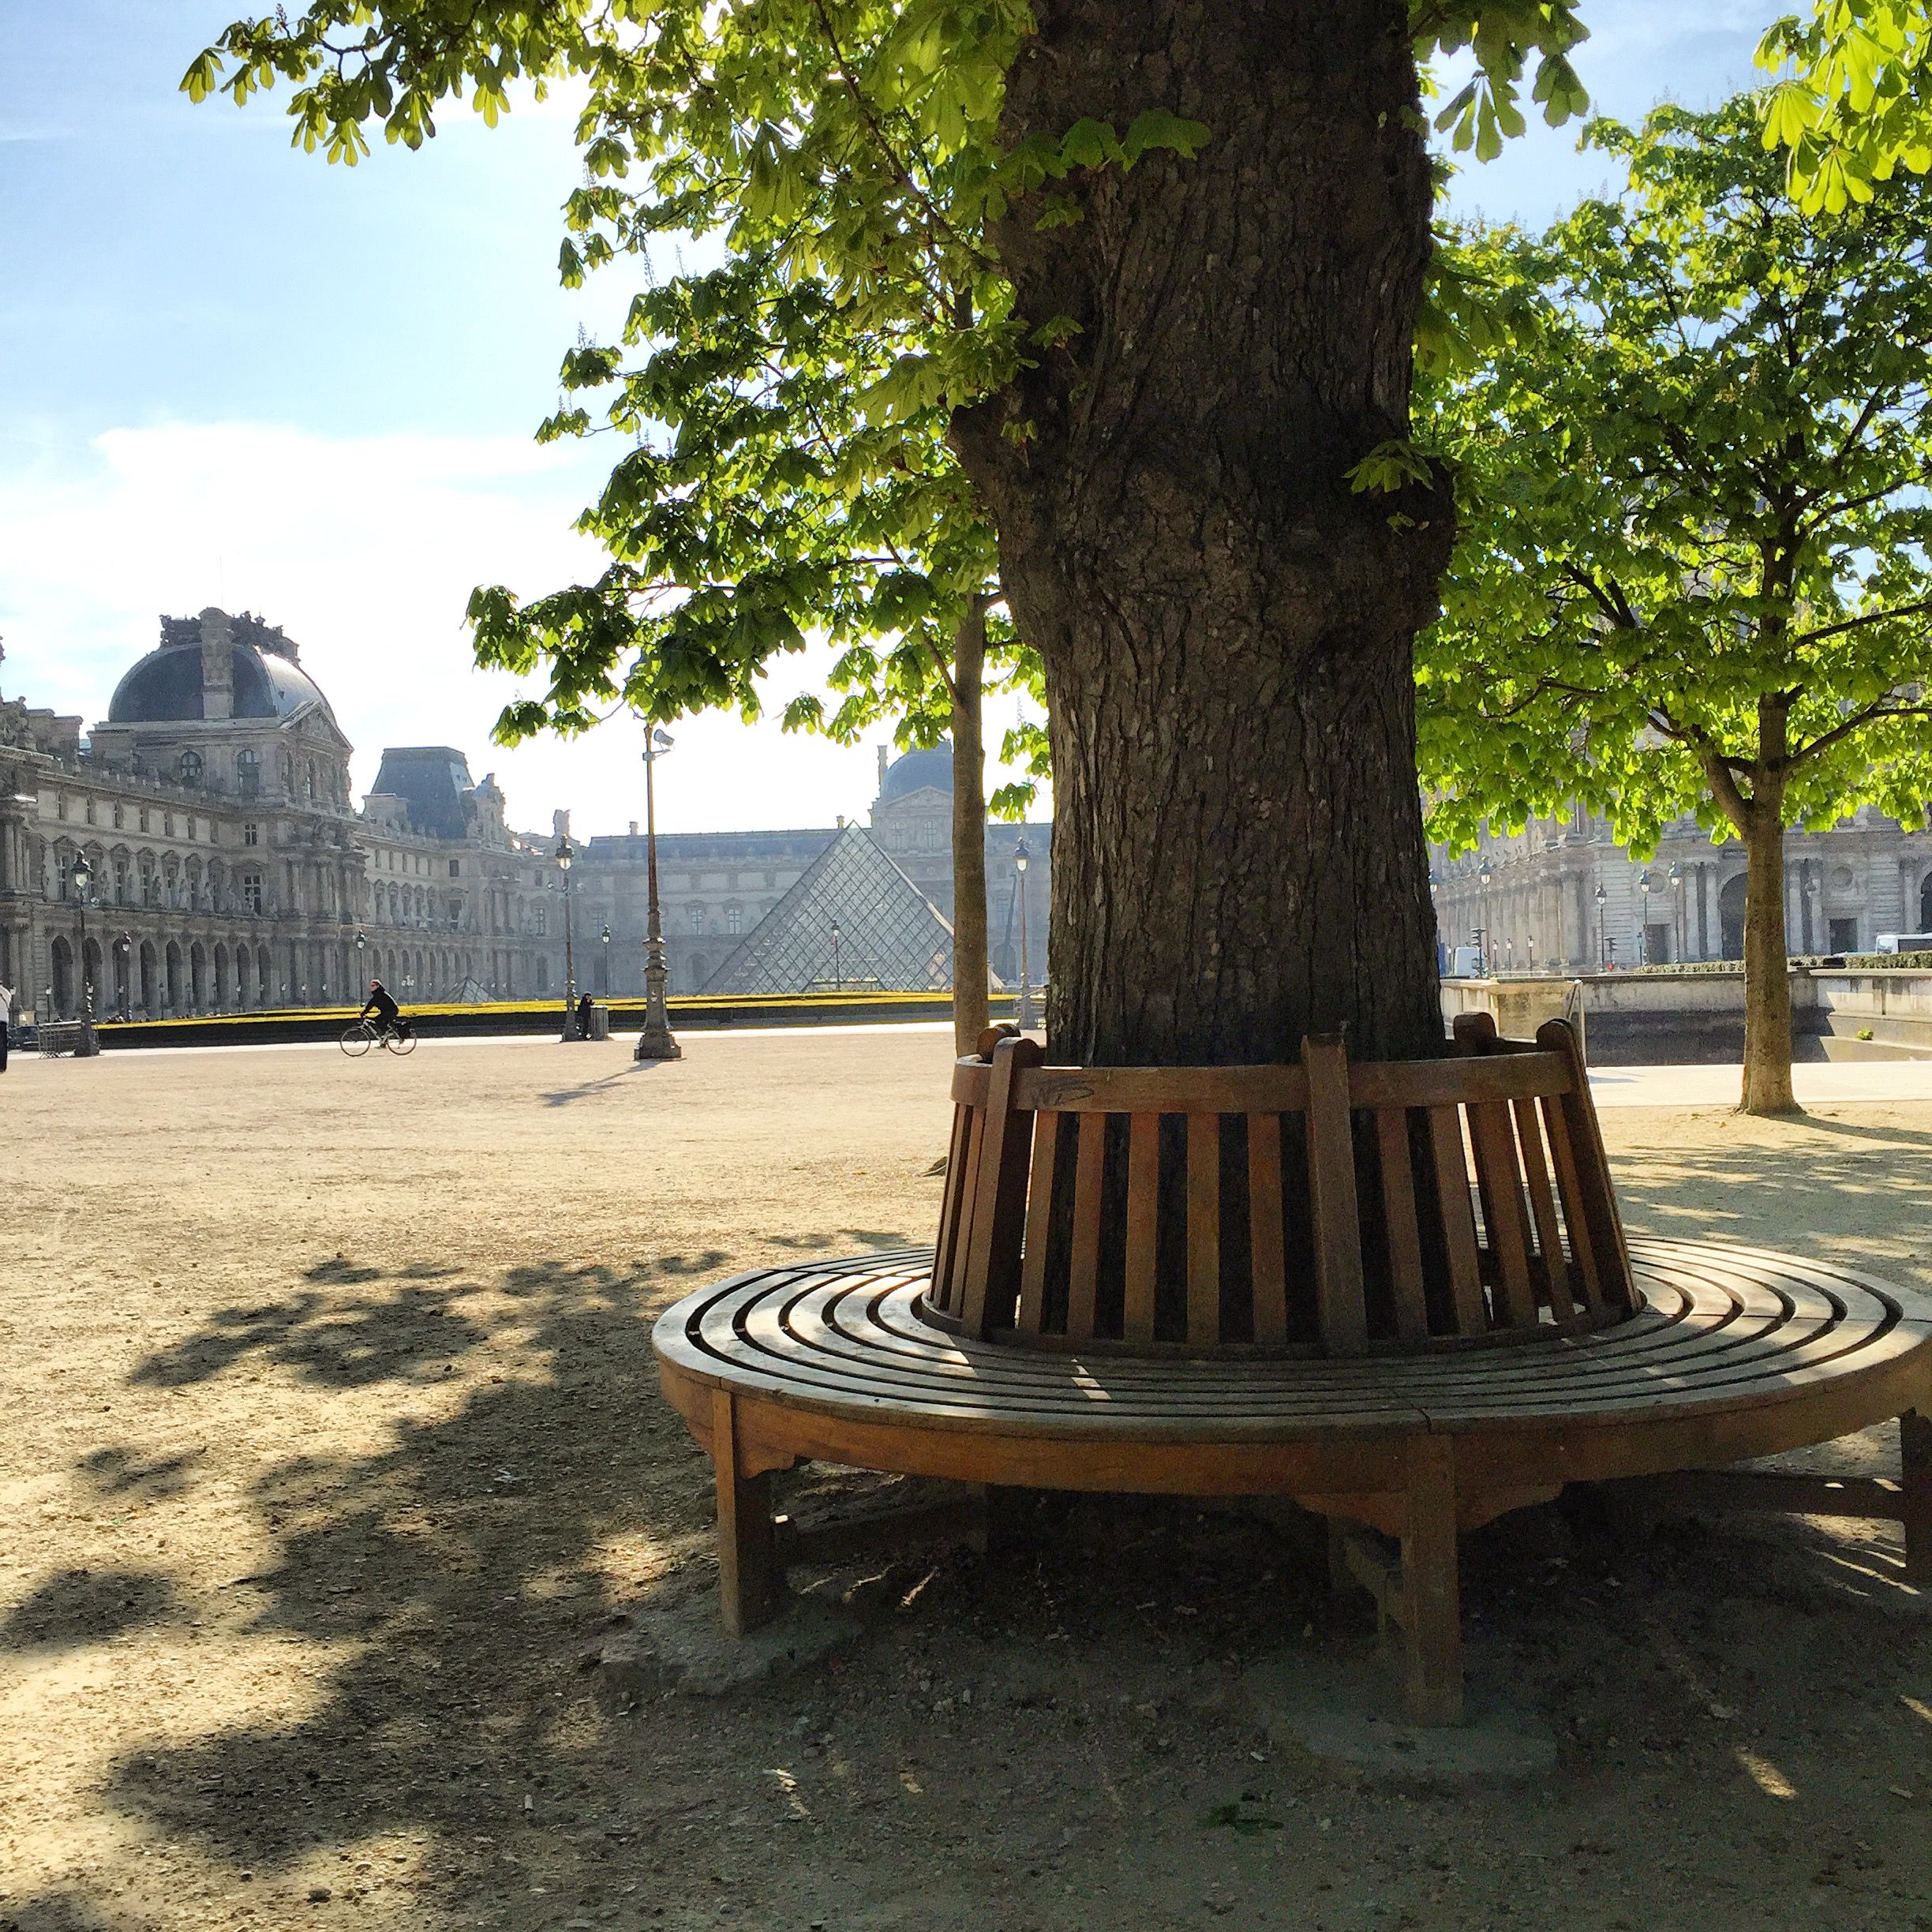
[{"x": 333, "y": 1463}]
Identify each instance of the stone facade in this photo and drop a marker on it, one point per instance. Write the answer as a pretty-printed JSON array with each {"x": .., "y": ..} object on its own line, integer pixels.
[
  {"x": 1539, "y": 909},
  {"x": 231, "y": 871}
]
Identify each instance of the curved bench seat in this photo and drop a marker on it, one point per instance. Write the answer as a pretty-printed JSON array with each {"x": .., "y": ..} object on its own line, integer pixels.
[{"x": 1733, "y": 1353}]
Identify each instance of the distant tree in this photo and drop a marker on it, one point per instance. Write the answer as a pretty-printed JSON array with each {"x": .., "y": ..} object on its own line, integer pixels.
[
  {"x": 1692, "y": 575},
  {"x": 769, "y": 497}
]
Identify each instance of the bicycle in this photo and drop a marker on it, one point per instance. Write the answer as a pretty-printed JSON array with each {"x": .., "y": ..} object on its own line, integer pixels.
[{"x": 358, "y": 1039}]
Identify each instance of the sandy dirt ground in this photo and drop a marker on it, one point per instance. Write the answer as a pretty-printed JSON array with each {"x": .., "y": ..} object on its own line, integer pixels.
[{"x": 331, "y": 1452}]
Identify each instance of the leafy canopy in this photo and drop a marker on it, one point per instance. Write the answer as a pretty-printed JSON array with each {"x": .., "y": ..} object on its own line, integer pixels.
[
  {"x": 787, "y": 411},
  {"x": 1692, "y": 574},
  {"x": 1854, "y": 105}
]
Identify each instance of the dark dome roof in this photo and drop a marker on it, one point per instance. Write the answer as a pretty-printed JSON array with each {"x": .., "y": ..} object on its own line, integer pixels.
[
  {"x": 917, "y": 771},
  {"x": 165, "y": 686}
]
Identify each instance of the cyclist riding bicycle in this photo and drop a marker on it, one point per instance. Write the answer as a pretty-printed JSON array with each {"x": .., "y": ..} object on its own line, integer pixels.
[{"x": 388, "y": 1013}]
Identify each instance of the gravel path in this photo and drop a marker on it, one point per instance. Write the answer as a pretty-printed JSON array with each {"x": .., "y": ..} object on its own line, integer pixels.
[{"x": 333, "y": 1451}]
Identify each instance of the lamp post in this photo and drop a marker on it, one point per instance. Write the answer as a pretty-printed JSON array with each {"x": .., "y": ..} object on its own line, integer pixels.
[
  {"x": 655, "y": 1042},
  {"x": 1024, "y": 1013},
  {"x": 1485, "y": 877},
  {"x": 88, "y": 1044},
  {"x": 572, "y": 1030},
  {"x": 1603, "y": 950},
  {"x": 1645, "y": 885},
  {"x": 124, "y": 946},
  {"x": 838, "y": 974},
  {"x": 1531, "y": 939},
  {"x": 604, "y": 936},
  {"x": 361, "y": 948},
  {"x": 1675, "y": 875}
]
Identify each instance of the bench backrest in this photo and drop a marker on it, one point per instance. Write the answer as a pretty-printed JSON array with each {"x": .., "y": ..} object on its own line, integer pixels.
[{"x": 1324, "y": 1206}]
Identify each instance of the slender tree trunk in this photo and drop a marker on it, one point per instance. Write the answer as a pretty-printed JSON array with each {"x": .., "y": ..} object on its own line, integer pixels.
[
  {"x": 970, "y": 1014},
  {"x": 1758, "y": 819},
  {"x": 1767, "y": 967},
  {"x": 1227, "y": 628}
]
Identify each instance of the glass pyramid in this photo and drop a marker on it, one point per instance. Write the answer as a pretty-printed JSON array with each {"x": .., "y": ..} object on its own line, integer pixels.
[{"x": 853, "y": 920}]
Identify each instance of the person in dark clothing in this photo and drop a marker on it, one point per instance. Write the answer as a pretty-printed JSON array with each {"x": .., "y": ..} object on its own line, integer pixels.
[
  {"x": 584, "y": 1007},
  {"x": 386, "y": 1011}
]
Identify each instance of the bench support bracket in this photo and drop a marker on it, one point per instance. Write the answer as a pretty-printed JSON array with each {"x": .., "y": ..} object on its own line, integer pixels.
[{"x": 1414, "y": 1581}]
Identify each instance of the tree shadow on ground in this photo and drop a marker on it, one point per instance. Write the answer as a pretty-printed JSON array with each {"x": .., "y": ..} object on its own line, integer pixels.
[
  {"x": 1849, "y": 1186},
  {"x": 1009, "y": 1742},
  {"x": 350, "y": 1341},
  {"x": 80, "y": 1607},
  {"x": 50, "y": 1912},
  {"x": 463, "y": 1565}
]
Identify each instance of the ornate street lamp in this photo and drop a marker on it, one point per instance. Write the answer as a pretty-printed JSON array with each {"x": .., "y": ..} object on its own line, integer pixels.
[
  {"x": 838, "y": 976},
  {"x": 1603, "y": 950},
  {"x": 1675, "y": 875},
  {"x": 571, "y": 1030},
  {"x": 1645, "y": 885},
  {"x": 1024, "y": 1013},
  {"x": 655, "y": 1042},
  {"x": 124, "y": 946},
  {"x": 362, "y": 948},
  {"x": 604, "y": 936},
  {"x": 88, "y": 1044}
]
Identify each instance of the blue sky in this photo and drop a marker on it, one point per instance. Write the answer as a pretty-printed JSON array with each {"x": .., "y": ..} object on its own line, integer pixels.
[{"x": 230, "y": 373}]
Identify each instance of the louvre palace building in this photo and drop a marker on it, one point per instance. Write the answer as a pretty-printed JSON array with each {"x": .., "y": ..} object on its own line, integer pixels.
[
  {"x": 227, "y": 869},
  {"x": 1562, "y": 896}
]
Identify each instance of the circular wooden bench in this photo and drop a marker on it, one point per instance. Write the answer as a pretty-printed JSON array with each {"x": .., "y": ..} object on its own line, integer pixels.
[{"x": 1660, "y": 1357}]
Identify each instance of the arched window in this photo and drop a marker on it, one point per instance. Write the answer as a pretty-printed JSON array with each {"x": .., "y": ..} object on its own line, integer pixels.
[
  {"x": 188, "y": 766},
  {"x": 247, "y": 773}
]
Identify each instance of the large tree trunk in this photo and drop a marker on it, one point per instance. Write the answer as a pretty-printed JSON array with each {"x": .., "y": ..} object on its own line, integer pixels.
[
  {"x": 970, "y": 1013},
  {"x": 1227, "y": 628},
  {"x": 1767, "y": 966}
]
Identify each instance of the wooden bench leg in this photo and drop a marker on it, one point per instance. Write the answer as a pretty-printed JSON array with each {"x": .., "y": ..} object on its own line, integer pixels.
[
  {"x": 1915, "y": 1497},
  {"x": 750, "y": 1582},
  {"x": 1432, "y": 1619}
]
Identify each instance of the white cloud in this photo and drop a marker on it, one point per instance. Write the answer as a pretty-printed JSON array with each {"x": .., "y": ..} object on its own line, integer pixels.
[{"x": 364, "y": 549}]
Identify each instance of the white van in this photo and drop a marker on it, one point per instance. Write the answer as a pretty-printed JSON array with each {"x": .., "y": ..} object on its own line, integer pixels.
[{"x": 1902, "y": 943}]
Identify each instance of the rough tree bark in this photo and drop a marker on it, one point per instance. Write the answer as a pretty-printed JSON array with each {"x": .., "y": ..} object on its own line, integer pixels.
[
  {"x": 1227, "y": 628},
  {"x": 970, "y": 1011}
]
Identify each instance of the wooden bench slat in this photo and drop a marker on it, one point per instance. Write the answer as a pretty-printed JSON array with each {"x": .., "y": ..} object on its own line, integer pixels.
[
  {"x": 1499, "y": 1187},
  {"x": 1164, "y": 1090},
  {"x": 1452, "y": 1199},
  {"x": 1569, "y": 1191},
  {"x": 1084, "y": 1273},
  {"x": 1204, "y": 1228},
  {"x": 1553, "y": 1274},
  {"x": 1448, "y": 1082},
  {"x": 946, "y": 1256},
  {"x": 1267, "y": 1237},
  {"x": 989, "y": 1279},
  {"x": 1143, "y": 1224},
  {"x": 1399, "y": 1214},
  {"x": 1602, "y": 1224},
  {"x": 1342, "y": 1310},
  {"x": 1032, "y": 1308}
]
